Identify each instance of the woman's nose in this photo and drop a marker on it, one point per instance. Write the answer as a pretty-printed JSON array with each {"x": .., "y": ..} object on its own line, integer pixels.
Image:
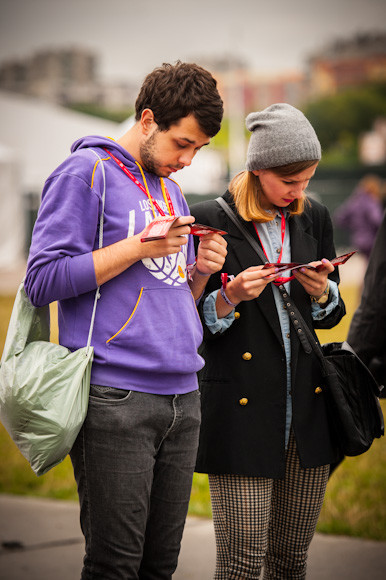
[{"x": 298, "y": 189}]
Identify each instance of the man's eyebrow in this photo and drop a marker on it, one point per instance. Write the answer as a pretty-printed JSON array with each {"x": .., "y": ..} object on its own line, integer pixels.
[{"x": 191, "y": 142}]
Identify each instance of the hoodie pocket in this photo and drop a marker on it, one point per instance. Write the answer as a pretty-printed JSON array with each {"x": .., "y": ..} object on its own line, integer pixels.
[
  {"x": 128, "y": 320},
  {"x": 161, "y": 334}
]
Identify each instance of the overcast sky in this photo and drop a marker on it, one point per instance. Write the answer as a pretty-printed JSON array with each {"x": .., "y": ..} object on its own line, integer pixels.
[{"x": 134, "y": 36}]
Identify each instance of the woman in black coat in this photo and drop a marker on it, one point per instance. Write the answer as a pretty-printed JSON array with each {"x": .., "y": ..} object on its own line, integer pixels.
[
  {"x": 367, "y": 333},
  {"x": 265, "y": 440}
]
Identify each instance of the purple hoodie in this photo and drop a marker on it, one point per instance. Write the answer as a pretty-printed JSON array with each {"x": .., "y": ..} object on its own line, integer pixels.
[{"x": 147, "y": 329}]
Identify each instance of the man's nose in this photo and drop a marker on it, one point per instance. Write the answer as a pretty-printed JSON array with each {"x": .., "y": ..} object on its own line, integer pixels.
[{"x": 186, "y": 158}]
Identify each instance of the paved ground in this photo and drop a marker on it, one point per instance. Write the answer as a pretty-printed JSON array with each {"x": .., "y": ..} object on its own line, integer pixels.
[{"x": 40, "y": 539}]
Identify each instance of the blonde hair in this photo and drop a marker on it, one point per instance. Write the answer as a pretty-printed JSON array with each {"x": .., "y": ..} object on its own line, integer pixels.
[{"x": 246, "y": 191}]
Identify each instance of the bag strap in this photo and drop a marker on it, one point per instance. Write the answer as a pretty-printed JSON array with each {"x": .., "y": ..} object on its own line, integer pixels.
[
  {"x": 302, "y": 329},
  {"x": 229, "y": 211},
  {"x": 302, "y": 335},
  {"x": 101, "y": 220}
]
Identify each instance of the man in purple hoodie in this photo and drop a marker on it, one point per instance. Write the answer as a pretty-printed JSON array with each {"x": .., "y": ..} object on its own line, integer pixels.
[{"x": 135, "y": 454}]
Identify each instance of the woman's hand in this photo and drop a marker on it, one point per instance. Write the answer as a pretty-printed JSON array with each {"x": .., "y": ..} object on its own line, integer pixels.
[
  {"x": 315, "y": 282},
  {"x": 249, "y": 284}
]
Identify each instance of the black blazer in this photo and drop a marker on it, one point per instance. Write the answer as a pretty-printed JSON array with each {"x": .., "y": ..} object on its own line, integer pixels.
[{"x": 243, "y": 383}]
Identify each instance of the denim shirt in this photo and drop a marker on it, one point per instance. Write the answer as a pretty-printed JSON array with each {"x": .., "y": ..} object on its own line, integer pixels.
[{"x": 270, "y": 236}]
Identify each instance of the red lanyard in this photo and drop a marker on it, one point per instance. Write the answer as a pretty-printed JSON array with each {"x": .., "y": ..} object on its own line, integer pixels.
[
  {"x": 282, "y": 279},
  {"x": 145, "y": 189}
]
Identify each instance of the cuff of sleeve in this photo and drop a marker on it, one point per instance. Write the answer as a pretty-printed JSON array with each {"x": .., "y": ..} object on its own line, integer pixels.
[
  {"x": 213, "y": 323},
  {"x": 319, "y": 313},
  {"x": 82, "y": 273}
]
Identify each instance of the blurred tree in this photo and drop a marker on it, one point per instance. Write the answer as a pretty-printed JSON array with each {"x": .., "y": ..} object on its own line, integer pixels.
[{"x": 340, "y": 119}]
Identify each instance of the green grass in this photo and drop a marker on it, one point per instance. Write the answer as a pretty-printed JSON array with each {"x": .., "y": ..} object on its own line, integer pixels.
[{"x": 355, "y": 500}]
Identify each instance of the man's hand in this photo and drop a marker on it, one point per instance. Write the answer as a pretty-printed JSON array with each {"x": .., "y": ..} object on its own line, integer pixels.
[
  {"x": 175, "y": 239},
  {"x": 111, "y": 261},
  {"x": 211, "y": 253}
]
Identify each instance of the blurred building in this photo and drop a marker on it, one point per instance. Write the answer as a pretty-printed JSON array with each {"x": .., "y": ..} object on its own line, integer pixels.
[
  {"x": 289, "y": 87},
  {"x": 347, "y": 63},
  {"x": 255, "y": 91},
  {"x": 67, "y": 76},
  {"x": 243, "y": 90}
]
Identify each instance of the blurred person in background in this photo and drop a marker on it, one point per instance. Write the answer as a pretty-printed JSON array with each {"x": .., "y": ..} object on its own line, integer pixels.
[
  {"x": 265, "y": 439},
  {"x": 361, "y": 214}
]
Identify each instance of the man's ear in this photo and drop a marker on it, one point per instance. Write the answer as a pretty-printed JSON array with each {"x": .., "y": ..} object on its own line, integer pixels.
[{"x": 147, "y": 121}]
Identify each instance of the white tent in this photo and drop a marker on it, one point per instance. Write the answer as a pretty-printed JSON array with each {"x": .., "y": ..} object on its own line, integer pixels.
[
  {"x": 11, "y": 211},
  {"x": 35, "y": 137},
  {"x": 41, "y": 135}
]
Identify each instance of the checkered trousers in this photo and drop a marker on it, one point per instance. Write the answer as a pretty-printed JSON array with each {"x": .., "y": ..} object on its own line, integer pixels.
[{"x": 267, "y": 522}]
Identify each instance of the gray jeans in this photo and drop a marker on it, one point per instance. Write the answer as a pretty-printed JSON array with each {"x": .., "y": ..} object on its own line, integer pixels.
[{"x": 133, "y": 462}]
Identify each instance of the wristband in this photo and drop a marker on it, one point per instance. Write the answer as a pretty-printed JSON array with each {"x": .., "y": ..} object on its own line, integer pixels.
[
  {"x": 192, "y": 268},
  {"x": 225, "y": 298}
]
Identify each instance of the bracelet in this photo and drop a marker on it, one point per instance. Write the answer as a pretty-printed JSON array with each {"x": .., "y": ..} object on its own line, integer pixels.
[
  {"x": 197, "y": 271},
  {"x": 194, "y": 266},
  {"x": 323, "y": 297},
  {"x": 225, "y": 298}
]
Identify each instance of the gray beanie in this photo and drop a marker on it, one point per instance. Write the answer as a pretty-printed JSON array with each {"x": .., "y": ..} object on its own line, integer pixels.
[{"x": 281, "y": 135}]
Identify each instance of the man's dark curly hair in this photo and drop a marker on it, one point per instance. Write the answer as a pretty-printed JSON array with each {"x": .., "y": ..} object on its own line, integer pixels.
[{"x": 176, "y": 91}]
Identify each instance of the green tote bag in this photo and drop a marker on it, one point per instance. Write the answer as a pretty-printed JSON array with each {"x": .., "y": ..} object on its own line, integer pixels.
[{"x": 44, "y": 387}]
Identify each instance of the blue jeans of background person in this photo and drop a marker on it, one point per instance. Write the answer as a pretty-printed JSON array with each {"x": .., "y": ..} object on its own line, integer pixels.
[{"x": 133, "y": 462}]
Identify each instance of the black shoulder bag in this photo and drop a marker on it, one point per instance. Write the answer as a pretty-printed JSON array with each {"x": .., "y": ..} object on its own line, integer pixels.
[{"x": 351, "y": 392}]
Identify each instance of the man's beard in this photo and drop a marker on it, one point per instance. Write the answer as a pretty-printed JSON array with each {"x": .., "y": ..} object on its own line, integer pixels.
[{"x": 146, "y": 152}]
